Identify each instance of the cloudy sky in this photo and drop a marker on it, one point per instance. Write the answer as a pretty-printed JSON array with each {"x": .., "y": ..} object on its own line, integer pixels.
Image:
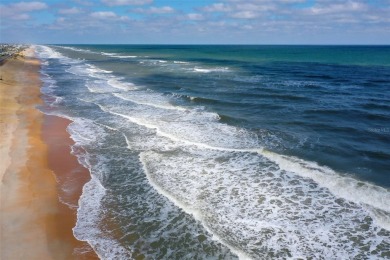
[{"x": 196, "y": 21}]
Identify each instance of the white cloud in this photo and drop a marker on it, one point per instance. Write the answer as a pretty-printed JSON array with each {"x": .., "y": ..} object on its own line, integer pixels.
[
  {"x": 155, "y": 10},
  {"x": 239, "y": 9},
  {"x": 103, "y": 15},
  {"x": 291, "y": 1},
  {"x": 195, "y": 16},
  {"x": 257, "y": 7},
  {"x": 331, "y": 8},
  {"x": 83, "y": 2},
  {"x": 21, "y": 17},
  {"x": 245, "y": 20},
  {"x": 19, "y": 11},
  {"x": 245, "y": 15},
  {"x": 109, "y": 16},
  {"x": 218, "y": 7},
  {"x": 329, "y": 13},
  {"x": 126, "y": 2},
  {"x": 28, "y": 6},
  {"x": 72, "y": 10},
  {"x": 60, "y": 20},
  {"x": 247, "y": 27}
]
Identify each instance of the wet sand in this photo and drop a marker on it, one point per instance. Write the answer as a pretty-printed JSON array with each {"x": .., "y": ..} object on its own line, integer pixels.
[{"x": 35, "y": 167}]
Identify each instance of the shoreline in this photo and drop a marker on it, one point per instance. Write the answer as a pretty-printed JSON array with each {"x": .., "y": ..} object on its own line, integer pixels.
[
  {"x": 36, "y": 163},
  {"x": 70, "y": 177}
]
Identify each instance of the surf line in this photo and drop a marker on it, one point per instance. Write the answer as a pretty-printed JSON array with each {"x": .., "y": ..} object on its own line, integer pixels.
[
  {"x": 375, "y": 199},
  {"x": 191, "y": 211}
]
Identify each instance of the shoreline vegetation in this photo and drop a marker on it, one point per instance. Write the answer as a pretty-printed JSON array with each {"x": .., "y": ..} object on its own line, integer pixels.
[
  {"x": 35, "y": 161},
  {"x": 10, "y": 51}
]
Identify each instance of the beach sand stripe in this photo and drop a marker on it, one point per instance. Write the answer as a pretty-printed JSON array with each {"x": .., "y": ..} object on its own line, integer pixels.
[{"x": 34, "y": 224}]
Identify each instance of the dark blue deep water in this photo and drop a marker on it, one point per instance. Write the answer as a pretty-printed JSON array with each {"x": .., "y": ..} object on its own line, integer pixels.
[{"x": 219, "y": 152}]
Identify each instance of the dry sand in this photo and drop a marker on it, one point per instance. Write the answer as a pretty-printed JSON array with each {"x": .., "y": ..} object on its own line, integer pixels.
[{"x": 34, "y": 152}]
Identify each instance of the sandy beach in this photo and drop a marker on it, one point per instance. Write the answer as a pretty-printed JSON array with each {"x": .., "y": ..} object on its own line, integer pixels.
[{"x": 36, "y": 165}]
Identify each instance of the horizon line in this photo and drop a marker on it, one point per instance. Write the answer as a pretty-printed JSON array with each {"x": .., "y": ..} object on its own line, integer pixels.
[{"x": 237, "y": 44}]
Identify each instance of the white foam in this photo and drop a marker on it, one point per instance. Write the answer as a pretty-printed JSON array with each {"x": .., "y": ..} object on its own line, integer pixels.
[
  {"x": 117, "y": 55},
  {"x": 116, "y": 83},
  {"x": 108, "y": 85},
  {"x": 154, "y": 62},
  {"x": 89, "y": 214},
  {"x": 191, "y": 133},
  {"x": 97, "y": 87},
  {"x": 188, "y": 209},
  {"x": 124, "y": 56},
  {"x": 294, "y": 206},
  {"x": 100, "y": 80},
  {"x": 48, "y": 89},
  {"x": 253, "y": 206},
  {"x": 89, "y": 70},
  {"x": 108, "y": 53},
  {"x": 344, "y": 187},
  {"x": 48, "y": 53},
  {"x": 347, "y": 188},
  {"x": 208, "y": 70},
  {"x": 57, "y": 101},
  {"x": 249, "y": 79},
  {"x": 76, "y": 49},
  {"x": 93, "y": 69},
  {"x": 148, "y": 99},
  {"x": 84, "y": 132}
]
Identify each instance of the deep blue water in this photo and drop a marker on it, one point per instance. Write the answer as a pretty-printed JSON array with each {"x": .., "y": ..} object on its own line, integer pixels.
[{"x": 225, "y": 151}]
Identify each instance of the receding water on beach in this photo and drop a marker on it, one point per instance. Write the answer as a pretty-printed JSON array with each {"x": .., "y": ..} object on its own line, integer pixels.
[{"x": 226, "y": 152}]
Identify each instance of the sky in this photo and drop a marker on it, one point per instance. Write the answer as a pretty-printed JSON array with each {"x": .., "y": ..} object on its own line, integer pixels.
[{"x": 195, "y": 21}]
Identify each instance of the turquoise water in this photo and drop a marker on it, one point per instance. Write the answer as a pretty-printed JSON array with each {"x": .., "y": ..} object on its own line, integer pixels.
[{"x": 219, "y": 152}]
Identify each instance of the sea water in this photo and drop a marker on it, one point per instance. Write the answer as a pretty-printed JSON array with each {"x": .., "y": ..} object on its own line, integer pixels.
[{"x": 225, "y": 152}]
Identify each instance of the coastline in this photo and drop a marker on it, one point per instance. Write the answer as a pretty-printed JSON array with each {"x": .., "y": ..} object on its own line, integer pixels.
[
  {"x": 70, "y": 176},
  {"x": 35, "y": 161}
]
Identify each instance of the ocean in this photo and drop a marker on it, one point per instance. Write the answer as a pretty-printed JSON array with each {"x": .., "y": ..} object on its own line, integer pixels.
[{"x": 227, "y": 152}]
